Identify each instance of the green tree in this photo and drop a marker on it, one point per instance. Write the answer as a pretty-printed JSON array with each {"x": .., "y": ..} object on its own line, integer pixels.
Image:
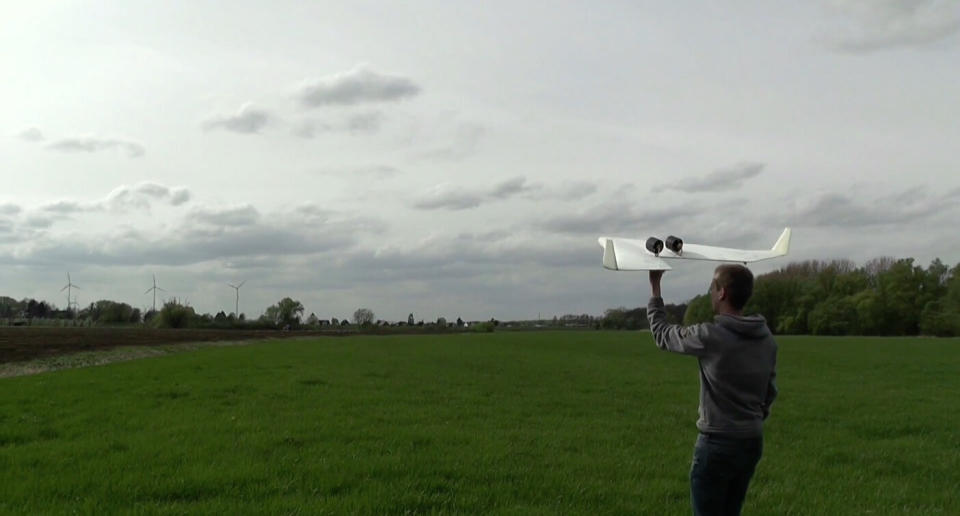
[
  {"x": 871, "y": 312},
  {"x": 111, "y": 312},
  {"x": 900, "y": 289},
  {"x": 939, "y": 320},
  {"x": 287, "y": 311},
  {"x": 835, "y": 316},
  {"x": 699, "y": 310}
]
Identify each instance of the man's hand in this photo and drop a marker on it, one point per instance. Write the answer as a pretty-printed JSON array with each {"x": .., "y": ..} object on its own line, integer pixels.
[{"x": 655, "y": 283}]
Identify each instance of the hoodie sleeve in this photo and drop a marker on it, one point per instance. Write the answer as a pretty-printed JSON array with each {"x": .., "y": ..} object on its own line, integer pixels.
[
  {"x": 771, "y": 394},
  {"x": 673, "y": 337}
]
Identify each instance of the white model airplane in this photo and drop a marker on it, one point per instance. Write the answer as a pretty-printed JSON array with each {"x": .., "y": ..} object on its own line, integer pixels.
[{"x": 626, "y": 254}]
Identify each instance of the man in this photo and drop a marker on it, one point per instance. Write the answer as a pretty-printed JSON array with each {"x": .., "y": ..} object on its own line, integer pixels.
[{"x": 737, "y": 356}]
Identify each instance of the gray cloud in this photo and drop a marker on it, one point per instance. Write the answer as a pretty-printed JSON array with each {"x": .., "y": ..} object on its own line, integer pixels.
[
  {"x": 39, "y": 222},
  {"x": 465, "y": 141},
  {"x": 367, "y": 171},
  {"x": 356, "y": 86},
  {"x": 195, "y": 241},
  {"x": 717, "y": 181},
  {"x": 615, "y": 217},
  {"x": 511, "y": 187},
  {"x": 247, "y": 120},
  {"x": 311, "y": 128},
  {"x": 91, "y": 144},
  {"x": 141, "y": 195},
  {"x": 875, "y": 25},
  {"x": 179, "y": 196},
  {"x": 839, "y": 210},
  {"x": 444, "y": 196},
  {"x": 364, "y": 122},
  {"x": 9, "y": 209},
  {"x": 459, "y": 257},
  {"x": 238, "y": 216},
  {"x": 67, "y": 207},
  {"x": 31, "y": 135},
  {"x": 121, "y": 199},
  {"x": 574, "y": 191},
  {"x": 357, "y": 123}
]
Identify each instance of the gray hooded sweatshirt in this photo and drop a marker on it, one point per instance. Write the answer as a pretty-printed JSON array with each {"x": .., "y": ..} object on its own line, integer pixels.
[{"x": 737, "y": 358}]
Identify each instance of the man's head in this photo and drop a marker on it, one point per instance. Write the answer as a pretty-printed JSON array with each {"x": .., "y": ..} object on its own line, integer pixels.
[{"x": 731, "y": 287}]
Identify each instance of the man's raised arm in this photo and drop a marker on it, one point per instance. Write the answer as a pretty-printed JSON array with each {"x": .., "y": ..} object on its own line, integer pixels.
[{"x": 670, "y": 337}]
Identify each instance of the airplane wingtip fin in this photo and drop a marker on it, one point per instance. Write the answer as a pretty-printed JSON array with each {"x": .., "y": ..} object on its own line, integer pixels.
[
  {"x": 782, "y": 247},
  {"x": 609, "y": 256}
]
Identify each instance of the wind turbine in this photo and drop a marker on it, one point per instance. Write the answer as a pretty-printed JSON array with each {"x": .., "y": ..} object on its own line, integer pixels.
[
  {"x": 69, "y": 288},
  {"x": 236, "y": 310},
  {"x": 154, "y": 288}
]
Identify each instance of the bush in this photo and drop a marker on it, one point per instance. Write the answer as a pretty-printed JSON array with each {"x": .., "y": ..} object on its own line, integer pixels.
[
  {"x": 175, "y": 315},
  {"x": 484, "y": 327}
]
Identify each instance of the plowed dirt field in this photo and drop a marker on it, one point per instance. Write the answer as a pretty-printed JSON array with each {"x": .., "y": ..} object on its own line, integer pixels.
[{"x": 19, "y": 344}]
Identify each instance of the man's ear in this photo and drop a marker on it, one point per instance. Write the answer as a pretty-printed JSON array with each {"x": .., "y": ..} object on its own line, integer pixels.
[{"x": 722, "y": 294}]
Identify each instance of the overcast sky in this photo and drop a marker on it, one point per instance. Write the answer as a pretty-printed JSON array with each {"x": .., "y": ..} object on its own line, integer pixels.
[{"x": 460, "y": 158}]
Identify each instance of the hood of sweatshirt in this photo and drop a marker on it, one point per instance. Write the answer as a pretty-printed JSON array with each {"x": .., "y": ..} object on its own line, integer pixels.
[{"x": 750, "y": 326}]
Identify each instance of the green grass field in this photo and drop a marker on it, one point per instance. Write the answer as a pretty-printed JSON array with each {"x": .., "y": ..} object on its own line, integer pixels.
[{"x": 506, "y": 423}]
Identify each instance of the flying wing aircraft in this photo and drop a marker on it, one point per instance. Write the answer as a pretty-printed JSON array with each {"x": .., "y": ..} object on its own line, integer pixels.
[{"x": 626, "y": 254}]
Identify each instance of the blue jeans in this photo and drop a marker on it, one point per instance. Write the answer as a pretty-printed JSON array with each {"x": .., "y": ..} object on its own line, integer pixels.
[{"x": 721, "y": 471}]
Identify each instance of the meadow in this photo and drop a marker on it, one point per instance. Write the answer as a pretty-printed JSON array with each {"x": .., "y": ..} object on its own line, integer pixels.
[{"x": 499, "y": 423}]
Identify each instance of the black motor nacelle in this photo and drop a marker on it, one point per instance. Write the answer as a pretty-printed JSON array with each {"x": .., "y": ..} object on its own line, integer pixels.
[
  {"x": 655, "y": 245},
  {"x": 674, "y": 244}
]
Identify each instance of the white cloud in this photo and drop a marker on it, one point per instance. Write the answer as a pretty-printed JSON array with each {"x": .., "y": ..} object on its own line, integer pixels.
[
  {"x": 874, "y": 25},
  {"x": 9, "y": 209},
  {"x": 93, "y": 144},
  {"x": 355, "y": 86},
  {"x": 247, "y": 120}
]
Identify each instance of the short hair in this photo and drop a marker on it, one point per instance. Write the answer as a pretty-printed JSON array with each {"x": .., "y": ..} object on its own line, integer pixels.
[{"x": 738, "y": 282}]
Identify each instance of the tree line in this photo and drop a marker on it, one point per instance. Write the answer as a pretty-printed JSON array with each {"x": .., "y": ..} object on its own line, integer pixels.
[
  {"x": 286, "y": 314},
  {"x": 885, "y": 296}
]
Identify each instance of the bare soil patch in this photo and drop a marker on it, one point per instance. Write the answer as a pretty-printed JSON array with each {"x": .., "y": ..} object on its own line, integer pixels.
[{"x": 21, "y": 344}]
